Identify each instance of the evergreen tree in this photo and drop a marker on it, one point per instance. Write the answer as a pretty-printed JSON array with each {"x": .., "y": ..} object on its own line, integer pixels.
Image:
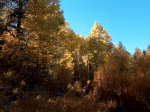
[
  {"x": 2, "y": 15},
  {"x": 16, "y": 10}
]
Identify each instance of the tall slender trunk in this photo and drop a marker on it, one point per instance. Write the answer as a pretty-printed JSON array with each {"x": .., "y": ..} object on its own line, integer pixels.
[{"x": 20, "y": 16}]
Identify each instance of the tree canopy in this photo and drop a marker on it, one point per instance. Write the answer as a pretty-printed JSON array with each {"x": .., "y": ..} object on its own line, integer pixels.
[{"x": 46, "y": 66}]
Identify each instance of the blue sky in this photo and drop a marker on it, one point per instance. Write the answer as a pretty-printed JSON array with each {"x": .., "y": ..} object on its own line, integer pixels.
[{"x": 127, "y": 21}]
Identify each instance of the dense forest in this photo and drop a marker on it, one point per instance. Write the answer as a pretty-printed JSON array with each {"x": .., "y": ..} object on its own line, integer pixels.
[{"x": 46, "y": 67}]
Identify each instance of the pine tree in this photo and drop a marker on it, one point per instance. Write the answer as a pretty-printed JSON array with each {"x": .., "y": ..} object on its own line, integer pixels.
[
  {"x": 16, "y": 10},
  {"x": 3, "y": 16}
]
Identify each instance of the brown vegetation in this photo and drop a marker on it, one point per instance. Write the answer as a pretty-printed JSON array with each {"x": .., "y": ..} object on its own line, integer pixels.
[{"x": 45, "y": 66}]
